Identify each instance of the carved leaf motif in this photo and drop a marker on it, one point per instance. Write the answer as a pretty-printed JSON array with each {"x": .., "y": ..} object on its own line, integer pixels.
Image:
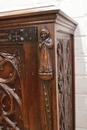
[
  {"x": 47, "y": 100},
  {"x": 14, "y": 59}
]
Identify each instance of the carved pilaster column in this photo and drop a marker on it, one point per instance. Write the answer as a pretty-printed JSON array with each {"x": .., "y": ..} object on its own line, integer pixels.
[{"x": 46, "y": 72}]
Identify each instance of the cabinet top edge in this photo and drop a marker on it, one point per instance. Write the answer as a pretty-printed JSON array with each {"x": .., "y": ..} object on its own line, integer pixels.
[{"x": 35, "y": 12}]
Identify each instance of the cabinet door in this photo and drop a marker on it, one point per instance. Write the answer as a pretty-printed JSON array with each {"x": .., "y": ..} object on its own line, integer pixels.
[
  {"x": 19, "y": 109},
  {"x": 11, "y": 87},
  {"x": 11, "y": 62}
]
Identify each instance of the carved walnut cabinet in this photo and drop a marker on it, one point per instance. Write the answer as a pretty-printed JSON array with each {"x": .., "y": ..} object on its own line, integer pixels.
[{"x": 37, "y": 70}]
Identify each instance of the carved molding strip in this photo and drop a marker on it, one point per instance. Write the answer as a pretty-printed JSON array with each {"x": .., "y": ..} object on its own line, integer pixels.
[
  {"x": 19, "y": 35},
  {"x": 7, "y": 92},
  {"x": 46, "y": 72}
]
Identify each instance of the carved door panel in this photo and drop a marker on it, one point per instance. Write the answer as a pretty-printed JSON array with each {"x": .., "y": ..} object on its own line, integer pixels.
[
  {"x": 64, "y": 62},
  {"x": 19, "y": 109},
  {"x": 19, "y": 104},
  {"x": 11, "y": 63}
]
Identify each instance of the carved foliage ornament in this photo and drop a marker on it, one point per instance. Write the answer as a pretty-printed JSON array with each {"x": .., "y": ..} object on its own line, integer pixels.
[
  {"x": 46, "y": 72},
  {"x": 8, "y": 91}
]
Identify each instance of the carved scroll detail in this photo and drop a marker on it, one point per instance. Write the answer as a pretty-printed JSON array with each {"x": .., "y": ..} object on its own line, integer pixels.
[
  {"x": 46, "y": 72},
  {"x": 64, "y": 84},
  {"x": 6, "y": 91},
  {"x": 14, "y": 59}
]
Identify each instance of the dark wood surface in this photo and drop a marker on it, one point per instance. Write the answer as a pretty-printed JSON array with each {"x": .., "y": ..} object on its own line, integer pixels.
[{"x": 37, "y": 90}]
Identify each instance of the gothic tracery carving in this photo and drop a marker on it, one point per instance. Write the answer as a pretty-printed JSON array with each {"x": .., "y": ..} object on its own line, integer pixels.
[{"x": 64, "y": 84}]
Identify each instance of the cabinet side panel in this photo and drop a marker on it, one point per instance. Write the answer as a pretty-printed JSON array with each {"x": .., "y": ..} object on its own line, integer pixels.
[{"x": 65, "y": 81}]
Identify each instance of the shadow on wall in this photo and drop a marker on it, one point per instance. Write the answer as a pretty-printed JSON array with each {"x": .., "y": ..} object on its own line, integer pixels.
[{"x": 81, "y": 74}]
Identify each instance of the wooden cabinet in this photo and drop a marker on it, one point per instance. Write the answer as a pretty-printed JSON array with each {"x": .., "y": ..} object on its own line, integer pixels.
[{"x": 37, "y": 70}]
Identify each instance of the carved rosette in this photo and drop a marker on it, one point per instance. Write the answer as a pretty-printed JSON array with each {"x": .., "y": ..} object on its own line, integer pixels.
[
  {"x": 46, "y": 72},
  {"x": 10, "y": 91},
  {"x": 64, "y": 84}
]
